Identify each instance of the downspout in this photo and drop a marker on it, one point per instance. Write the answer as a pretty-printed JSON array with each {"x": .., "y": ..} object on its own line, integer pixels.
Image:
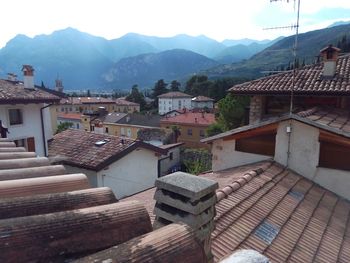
[{"x": 43, "y": 127}]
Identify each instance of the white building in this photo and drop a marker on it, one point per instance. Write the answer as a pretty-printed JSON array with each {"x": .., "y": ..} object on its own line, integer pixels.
[
  {"x": 313, "y": 143},
  {"x": 173, "y": 101},
  {"x": 24, "y": 111},
  {"x": 126, "y": 166}
]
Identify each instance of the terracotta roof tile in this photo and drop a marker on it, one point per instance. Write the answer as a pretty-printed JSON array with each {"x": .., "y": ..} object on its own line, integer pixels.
[
  {"x": 309, "y": 80},
  {"x": 191, "y": 118},
  {"x": 302, "y": 222},
  {"x": 14, "y": 92},
  {"x": 175, "y": 94},
  {"x": 78, "y": 148}
]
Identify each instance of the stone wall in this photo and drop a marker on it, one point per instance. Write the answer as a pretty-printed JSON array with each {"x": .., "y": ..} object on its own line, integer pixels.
[{"x": 257, "y": 104}]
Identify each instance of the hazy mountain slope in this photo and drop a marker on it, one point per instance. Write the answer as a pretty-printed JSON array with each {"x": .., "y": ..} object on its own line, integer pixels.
[
  {"x": 280, "y": 53},
  {"x": 146, "y": 69}
]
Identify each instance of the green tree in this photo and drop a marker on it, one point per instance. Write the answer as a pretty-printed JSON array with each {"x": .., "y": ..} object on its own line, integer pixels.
[
  {"x": 175, "y": 85},
  {"x": 158, "y": 89},
  {"x": 63, "y": 126},
  {"x": 137, "y": 97},
  {"x": 214, "y": 129},
  {"x": 232, "y": 111},
  {"x": 198, "y": 85},
  {"x": 88, "y": 93}
]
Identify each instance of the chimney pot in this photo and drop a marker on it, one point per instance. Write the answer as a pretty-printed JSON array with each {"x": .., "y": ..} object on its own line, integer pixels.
[
  {"x": 330, "y": 56},
  {"x": 28, "y": 76}
]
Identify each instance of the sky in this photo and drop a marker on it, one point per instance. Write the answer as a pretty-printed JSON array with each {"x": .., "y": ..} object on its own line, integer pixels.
[{"x": 217, "y": 19}]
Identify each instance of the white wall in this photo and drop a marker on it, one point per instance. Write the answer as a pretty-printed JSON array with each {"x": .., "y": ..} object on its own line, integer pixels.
[
  {"x": 168, "y": 104},
  {"x": 91, "y": 175},
  {"x": 334, "y": 180},
  {"x": 225, "y": 156},
  {"x": 31, "y": 126},
  {"x": 131, "y": 174}
]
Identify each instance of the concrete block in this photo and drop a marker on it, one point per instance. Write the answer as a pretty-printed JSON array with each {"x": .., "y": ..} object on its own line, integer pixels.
[
  {"x": 174, "y": 215},
  {"x": 194, "y": 207},
  {"x": 188, "y": 185}
]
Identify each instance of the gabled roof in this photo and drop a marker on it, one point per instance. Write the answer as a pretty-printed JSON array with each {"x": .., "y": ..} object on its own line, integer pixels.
[
  {"x": 191, "y": 118},
  {"x": 333, "y": 120},
  {"x": 309, "y": 81},
  {"x": 13, "y": 92},
  {"x": 69, "y": 116},
  {"x": 140, "y": 120},
  {"x": 281, "y": 215},
  {"x": 78, "y": 148},
  {"x": 113, "y": 117},
  {"x": 174, "y": 94},
  {"x": 124, "y": 102}
]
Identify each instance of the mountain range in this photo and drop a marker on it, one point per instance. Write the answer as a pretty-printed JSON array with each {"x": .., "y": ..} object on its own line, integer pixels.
[{"x": 84, "y": 61}]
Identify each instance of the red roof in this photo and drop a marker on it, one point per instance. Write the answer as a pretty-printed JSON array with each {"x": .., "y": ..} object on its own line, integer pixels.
[
  {"x": 70, "y": 116},
  {"x": 192, "y": 118},
  {"x": 175, "y": 94}
]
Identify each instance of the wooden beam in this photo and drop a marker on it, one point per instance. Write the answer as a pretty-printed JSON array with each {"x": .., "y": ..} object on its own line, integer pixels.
[
  {"x": 333, "y": 138},
  {"x": 268, "y": 129}
]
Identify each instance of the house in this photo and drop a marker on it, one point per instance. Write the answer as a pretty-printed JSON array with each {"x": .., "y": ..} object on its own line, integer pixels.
[
  {"x": 73, "y": 118},
  {"x": 24, "y": 110},
  {"x": 321, "y": 84},
  {"x": 191, "y": 125},
  {"x": 115, "y": 162},
  {"x": 170, "y": 162},
  {"x": 202, "y": 102},
  {"x": 173, "y": 101},
  {"x": 89, "y": 105}
]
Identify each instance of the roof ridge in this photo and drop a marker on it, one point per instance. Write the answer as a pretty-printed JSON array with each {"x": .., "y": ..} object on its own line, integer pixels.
[
  {"x": 236, "y": 184},
  {"x": 307, "y": 113}
]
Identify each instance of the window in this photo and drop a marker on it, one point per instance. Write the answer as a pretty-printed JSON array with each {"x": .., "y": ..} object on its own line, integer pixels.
[
  {"x": 189, "y": 132},
  {"x": 129, "y": 132},
  {"x": 106, "y": 130},
  {"x": 201, "y": 133},
  {"x": 62, "y": 109},
  {"x": 260, "y": 144},
  {"x": 171, "y": 157},
  {"x": 122, "y": 131},
  {"x": 77, "y": 125},
  {"x": 334, "y": 156},
  {"x": 92, "y": 128},
  {"x": 15, "y": 116},
  {"x": 70, "y": 109},
  {"x": 179, "y": 104}
]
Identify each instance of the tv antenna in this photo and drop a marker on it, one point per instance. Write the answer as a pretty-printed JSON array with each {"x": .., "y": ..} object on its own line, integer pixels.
[{"x": 295, "y": 27}]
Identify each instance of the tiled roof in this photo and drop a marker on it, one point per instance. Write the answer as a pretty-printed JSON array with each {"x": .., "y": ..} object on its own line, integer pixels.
[
  {"x": 12, "y": 92},
  {"x": 69, "y": 116},
  {"x": 86, "y": 100},
  {"x": 77, "y": 148},
  {"x": 170, "y": 146},
  {"x": 329, "y": 119},
  {"x": 284, "y": 216},
  {"x": 174, "y": 94},
  {"x": 124, "y": 102},
  {"x": 276, "y": 212},
  {"x": 202, "y": 99},
  {"x": 309, "y": 80},
  {"x": 191, "y": 118},
  {"x": 141, "y": 120},
  {"x": 114, "y": 117}
]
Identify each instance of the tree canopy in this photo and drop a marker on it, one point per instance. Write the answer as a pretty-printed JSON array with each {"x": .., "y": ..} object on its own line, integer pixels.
[{"x": 137, "y": 97}]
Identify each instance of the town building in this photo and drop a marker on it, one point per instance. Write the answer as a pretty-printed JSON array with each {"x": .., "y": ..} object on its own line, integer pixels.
[
  {"x": 24, "y": 111},
  {"x": 74, "y": 119},
  {"x": 190, "y": 127},
  {"x": 115, "y": 162},
  {"x": 171, "y": 162},
  {"x": 202, "y": 102},
  {"x": 321, "y": 84},
  {"x": 89, "y": 105},
  {"x": 173, "y": 101}
]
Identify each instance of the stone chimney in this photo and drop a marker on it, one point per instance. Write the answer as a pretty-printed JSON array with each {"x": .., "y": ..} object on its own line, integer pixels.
[
  {"x": 330, "y": 56},
  {"x": 11, "y": 76},
  {"x": 28, "y": 76},
  {"x": 59, "y": 85},
  {"x": 182, "y": 197}
]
